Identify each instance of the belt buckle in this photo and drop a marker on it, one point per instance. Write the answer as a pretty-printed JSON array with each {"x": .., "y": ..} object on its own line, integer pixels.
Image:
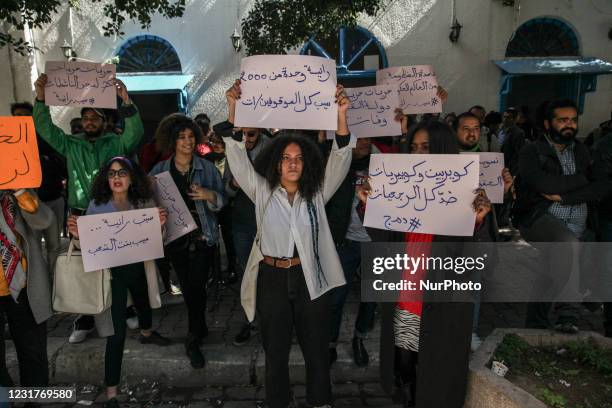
[{"x": 290, "y": 262}]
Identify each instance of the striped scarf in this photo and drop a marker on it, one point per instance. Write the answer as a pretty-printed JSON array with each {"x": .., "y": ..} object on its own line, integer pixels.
[{"x": 10, "y": 253}]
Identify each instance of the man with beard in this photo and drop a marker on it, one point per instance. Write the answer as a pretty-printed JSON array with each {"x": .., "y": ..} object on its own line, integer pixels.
[
  {"x": 553, "y": 189},
  {"x": 85, "y": 154}
]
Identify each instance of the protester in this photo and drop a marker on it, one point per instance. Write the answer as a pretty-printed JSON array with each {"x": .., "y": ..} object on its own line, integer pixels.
[
  {"x": 493, "y": 122},
  {"x": 217, "y": 157},
  {"x": 511, "y": 139},
  {"x": 204, "y": 147},
  {"x": 191, "y": 255},
  {"x": 468, "y": 130},
  {"x": 523, "y": 121},
  {"x": 85, "y": 155},
  {"x": 51, "y": 190},
  {"x": 244, "y": 225},
  {"x": 25, "y": 296},
  {"x": 450, "y": 118},
  {"x": 349, "y": 233},
  {"x": 553, "y": 190},
  {"x": 602, "y": 158},
  {"x": 121, "y": 185},
  {"x": 300, "y": 265},
  {"x": 428, "y": 334}
]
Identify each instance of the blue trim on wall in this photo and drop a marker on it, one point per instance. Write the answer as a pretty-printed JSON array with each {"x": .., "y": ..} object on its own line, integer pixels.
[{"x": 342, "y": 65}]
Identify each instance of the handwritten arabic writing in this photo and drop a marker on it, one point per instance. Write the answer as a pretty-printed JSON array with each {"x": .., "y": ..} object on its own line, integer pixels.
[
  {"x": 287, "y": 91},
  {"x": 180, "y": 220},
  {"x": 425, "y": 193},
  {"x": 416, "y": 86},
  {"x": 120, "y": 238},
  {"x": 490, "y": 179},
  {"x": 20, "y": 165},
  {"x": 299, "y": 75},
  {"x": 80, "y": 84},
  {"x": 372, "y": 111}
]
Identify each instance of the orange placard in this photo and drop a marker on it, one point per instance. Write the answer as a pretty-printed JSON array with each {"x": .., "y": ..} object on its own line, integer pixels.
[{"x": 19, "y": 162}]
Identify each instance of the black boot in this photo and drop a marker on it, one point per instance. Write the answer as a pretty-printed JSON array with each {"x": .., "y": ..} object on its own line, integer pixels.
[
  {"x": 405, "y": 376},
  {"x": 192, "y": 349}
]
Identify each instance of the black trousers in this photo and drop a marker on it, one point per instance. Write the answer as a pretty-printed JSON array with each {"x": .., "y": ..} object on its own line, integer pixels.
[
  {"x": 30, "y": 341},
  {"x": 126, "y": 278},
  {"x": 192, "y": 267},
  {"x": 283, "y": 302}
]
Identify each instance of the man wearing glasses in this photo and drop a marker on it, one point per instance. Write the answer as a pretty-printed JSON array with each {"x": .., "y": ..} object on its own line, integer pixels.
[{"x": 85, "y": 153}]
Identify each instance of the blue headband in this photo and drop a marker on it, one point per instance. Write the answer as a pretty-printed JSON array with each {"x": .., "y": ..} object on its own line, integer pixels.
[{"x": 122, "y": 159}]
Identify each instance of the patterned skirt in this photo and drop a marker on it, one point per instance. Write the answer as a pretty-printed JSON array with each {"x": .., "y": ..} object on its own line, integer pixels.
[{"x": 406, "y": 327}]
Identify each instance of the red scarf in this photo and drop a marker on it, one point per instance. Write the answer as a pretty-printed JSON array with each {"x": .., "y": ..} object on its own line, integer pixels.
[
  {"x": 417, "y": 245},
  {"x": 10, "y": 254}
]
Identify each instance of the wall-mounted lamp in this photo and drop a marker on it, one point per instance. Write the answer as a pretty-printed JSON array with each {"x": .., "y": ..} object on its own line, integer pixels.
[
  {"x": 235, "y": 37},
  {"x": 455, "y": 31},
  {"x": 69, "y": 54},
  {"x": 509, "y": 3}
]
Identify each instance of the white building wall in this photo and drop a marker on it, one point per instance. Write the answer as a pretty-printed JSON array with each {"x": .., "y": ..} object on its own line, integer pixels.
[{"x": 412, "y": 32}]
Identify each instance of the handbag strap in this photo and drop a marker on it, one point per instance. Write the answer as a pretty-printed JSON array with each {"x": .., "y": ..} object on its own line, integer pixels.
[{"x": 70, "y": 249}]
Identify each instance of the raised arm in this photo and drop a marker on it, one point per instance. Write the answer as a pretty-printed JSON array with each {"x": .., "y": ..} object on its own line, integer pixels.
[
  {"x": 43, "y": 122},
  {"x": 134, "y": 130},
  {"x": 340, "y": 157},
  {"x": 235, "y": 150}
]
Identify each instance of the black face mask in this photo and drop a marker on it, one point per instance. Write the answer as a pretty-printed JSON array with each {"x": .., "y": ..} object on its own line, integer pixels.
[{"x": 559, "y": 138}]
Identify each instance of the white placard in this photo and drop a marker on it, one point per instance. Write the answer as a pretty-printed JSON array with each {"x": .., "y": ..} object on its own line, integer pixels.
[
  {"x": 490, "y": 178},
  {"x": 287, "y": 92},
  {"x": 425, "y": 193},
  {"x": 417, "y": 87},
  {"x": 167, "y": 195},
  {"x": 120, "y": 238},
  {"x": 372, "y": 111},
  {"x": 80, "y": 84}
]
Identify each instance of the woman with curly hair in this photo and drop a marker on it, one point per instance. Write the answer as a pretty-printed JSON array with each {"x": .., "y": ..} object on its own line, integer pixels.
[
  {"x": 121, "y": 186},
  {"x": 192, "y": 255},
  {"x": 290, "y": 286}
]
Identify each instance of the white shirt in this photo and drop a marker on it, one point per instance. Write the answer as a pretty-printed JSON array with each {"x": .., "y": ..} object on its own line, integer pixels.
[
  {"x": 295, "y": 218},
  {"x": 280, "y": 224}
]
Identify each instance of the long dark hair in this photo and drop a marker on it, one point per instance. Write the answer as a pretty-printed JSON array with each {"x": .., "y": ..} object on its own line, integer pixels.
[
  {"x": 139, "y": 190},
  {"x": 169, "y": 128},
  {"x": 442, "y": 139},
  {"x": 269, "y": 159}
]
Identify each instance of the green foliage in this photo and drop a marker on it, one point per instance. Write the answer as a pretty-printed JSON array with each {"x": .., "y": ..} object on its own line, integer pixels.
[
  {"x": 38, "y": 13},
  {"x": 512, "y": 351},
  {"x": 587, "y": 353},
  {"x": 276, "y": 26},
  {"x": 551, "y": 398}
]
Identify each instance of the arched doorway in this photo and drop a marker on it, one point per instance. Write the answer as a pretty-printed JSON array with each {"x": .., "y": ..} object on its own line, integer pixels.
[
  {"x": 152, "y": 71},
  {"x": 357, "y": 52},
  {"x": 543, "y": 63}
]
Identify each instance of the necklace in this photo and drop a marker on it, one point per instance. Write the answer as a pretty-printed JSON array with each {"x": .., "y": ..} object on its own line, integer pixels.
[{"x": 182, "y": 168}]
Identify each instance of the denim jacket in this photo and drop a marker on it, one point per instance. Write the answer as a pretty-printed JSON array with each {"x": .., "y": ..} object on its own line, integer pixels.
[{"x": 206, "y": 175}]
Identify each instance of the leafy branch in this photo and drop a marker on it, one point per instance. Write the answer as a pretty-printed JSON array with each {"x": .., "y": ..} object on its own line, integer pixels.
[{"x": 276, "y": 26}]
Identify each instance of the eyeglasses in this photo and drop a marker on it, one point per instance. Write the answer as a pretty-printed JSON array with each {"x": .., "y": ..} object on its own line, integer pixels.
[{"x": 119, "y": 173}]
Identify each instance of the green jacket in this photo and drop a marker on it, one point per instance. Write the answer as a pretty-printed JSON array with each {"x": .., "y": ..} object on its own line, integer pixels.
[{"x": 85, "y": 158}]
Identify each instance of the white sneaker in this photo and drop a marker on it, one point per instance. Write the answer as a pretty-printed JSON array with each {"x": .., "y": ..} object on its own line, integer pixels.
[
  {"x": 476, "y": 342},
  {"x": 78, "y": 336},
  {"x": 132, "y": 322}
]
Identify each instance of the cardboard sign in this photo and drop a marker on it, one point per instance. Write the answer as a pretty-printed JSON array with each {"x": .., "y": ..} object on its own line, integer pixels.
[
  {"x": 490, "y": 178},
  {"x": 372, "y": 111},
  {"x": 417, "y": 87},
  {"x": 167, "y": 195},
  {"x": 80, "y": 84},
  {"x": 120, "y": 238},
  {"x": 287, "y": 92},
  {"x": 425, "y": 193},
  {"x": 19, "y": 161}
]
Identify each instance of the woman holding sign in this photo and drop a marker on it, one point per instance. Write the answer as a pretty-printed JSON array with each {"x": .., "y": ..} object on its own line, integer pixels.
[
  {"x": 425, "y": 340},
  {"x": 192, "y": 255},
  {"x": 293, "y": 263},
  {"x": 121, "y": 186}
]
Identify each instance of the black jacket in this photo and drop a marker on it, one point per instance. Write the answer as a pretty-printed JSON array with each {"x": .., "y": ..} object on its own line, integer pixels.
[
  {"x": 513, "y": 143},
  {"x": 602, "y": 169},
  {"x": 540, "y": 172}
]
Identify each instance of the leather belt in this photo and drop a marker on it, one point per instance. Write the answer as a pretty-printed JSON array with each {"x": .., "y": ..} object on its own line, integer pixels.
[{"x": 284, "y": 263}]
